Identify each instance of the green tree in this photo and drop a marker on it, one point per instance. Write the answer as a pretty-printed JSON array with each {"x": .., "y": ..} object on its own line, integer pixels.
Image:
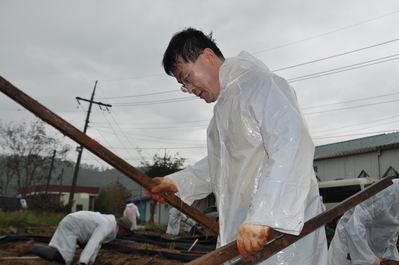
[
  {"x": 161, "y": 166},
  {"x": 112, "y": 199}
]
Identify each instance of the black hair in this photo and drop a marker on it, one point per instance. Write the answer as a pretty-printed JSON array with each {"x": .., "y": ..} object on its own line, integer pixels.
[{"x": 189, "y": 43}]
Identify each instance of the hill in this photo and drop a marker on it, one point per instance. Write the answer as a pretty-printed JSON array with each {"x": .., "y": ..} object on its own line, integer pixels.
[{"x": 89, "y": 176}]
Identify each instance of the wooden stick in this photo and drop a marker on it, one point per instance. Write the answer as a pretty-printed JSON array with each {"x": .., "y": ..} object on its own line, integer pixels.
[
  {"x": 279, "y": 241},
  {"x": 390, "y": 262},
  {"x": 103, "y": 153}
]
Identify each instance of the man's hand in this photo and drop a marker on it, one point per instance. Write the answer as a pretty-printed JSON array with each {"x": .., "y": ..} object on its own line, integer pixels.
[
  {"x": 251, "y": 238},
  {"x": 164, "y": 183},
  {"x": 379, "y": 261}
]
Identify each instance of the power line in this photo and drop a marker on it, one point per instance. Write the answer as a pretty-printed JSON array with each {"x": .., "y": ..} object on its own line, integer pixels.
[
  {"x": 169, "y": 148},
  {"x": 334, "y": 56},
  {"x": 117, "y": 134},
  {"x": 155, "y": 137},
  {"x": 154, "y": 102},
  {"x": 358, "y": 124},
  {"x": 330, "y": 32},
  {"x": 344, "y": 68},
  {"x": 130, "y": 78},
  {"x": 166, "y": 127},
  {"x": 352, "y": 107},
  {"x": 357, "y": 134},
  {"x": 290, "y": 80},
  {"x": 347, "y": 68},
  {"x": 144, "y": 95},
  {"x": 158, "y": 123},
  {"x": 350, "y": 101}
]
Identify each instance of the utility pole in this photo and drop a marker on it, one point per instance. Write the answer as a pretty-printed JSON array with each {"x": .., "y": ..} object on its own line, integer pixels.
[
  {"x": 80, "y": 148},
  {"x": 49, "y": 173}
]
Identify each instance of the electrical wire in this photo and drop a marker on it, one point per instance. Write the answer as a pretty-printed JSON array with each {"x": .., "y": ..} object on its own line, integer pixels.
[
  {"x": 344, "y": 68},
  {"x": 324, "y": 34},
  {"x": 334, "y": 56},
  {"x": 356, "y": 125},
  {"x": 350, "y": 101}
]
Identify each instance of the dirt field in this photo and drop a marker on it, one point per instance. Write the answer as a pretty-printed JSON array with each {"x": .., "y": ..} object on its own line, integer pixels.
[{"x": 8, "y": 253}]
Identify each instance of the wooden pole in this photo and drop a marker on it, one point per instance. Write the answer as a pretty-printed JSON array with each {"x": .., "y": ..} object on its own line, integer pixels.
[
  {"x": 279, "y": 241},
  {"x": 103, "y": 153}
]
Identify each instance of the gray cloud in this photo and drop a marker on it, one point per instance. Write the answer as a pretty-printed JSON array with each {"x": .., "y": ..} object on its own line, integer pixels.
[{"x": 55, "y": 51}]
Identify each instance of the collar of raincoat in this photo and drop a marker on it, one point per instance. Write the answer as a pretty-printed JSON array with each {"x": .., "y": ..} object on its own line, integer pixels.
[{"x": 234, "y": 67}]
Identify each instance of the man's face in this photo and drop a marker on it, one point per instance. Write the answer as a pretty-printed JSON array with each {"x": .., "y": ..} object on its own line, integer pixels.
[
  {"x": 201, "y": 77},
  {"x": 121, "y": 231}
]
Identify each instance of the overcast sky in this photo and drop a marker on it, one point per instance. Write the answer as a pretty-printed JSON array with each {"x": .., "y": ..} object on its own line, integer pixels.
[{"x": 341, "y": 56}]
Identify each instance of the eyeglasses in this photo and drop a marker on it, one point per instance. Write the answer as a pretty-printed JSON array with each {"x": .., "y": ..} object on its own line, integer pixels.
[{"x": 186, "y": 80}]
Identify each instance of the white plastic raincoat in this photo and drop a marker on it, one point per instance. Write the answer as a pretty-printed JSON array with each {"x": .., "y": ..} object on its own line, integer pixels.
[
  {"x": 174, "y": 222},
  {"x": 188, "y": 223},
  {"x": 88, "y": 227},
  {"x": 132, "y": 212},
  {"x": 368, "y": 231},
  {"x": 175, "y": 216},
  {"x": 260, "y": 161}
]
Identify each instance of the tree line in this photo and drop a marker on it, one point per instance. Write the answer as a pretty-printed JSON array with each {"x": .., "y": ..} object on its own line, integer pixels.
[{"x": 30, "y": 156}]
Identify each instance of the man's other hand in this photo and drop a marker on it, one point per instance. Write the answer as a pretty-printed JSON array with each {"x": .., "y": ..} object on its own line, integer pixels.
[
  {"x": 164, "y": 183},
  {"x": 379, "y": 261},
  {"x": 251, "y": 238}
]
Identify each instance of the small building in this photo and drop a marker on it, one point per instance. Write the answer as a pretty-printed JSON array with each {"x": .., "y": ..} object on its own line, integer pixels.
[
  {"x": 141, "y": 203},
  {"x": 375, "y": 156},
  {"x": 83, "y": 197}
]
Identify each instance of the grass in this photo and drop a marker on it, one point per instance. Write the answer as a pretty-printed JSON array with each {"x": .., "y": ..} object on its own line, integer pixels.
[
  {"x": 18, "y": 219},
  {"x": 329, "y": 232},
  {"x": 171, "y": 245}
]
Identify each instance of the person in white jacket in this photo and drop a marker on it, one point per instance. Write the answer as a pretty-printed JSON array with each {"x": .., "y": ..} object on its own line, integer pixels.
[
  {"x": 132, "y": 212},
  {"x": 175, "y": 216},
  {"x": 368, "y": 233},
  {"x": 90, "y": 228},
  {"x": 174, "y": 222},
  {"x": 260, "y": 153}
]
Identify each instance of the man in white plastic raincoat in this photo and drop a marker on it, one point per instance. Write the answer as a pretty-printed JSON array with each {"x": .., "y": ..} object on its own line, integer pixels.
[
  {"x": 175, "y": 216},
  {"x": 368, "y": 232},
  {"x": 174, "y": 222},
  {"x": 90, "y": 228},
  {"x": 132, "y": 212},
  {"x": 260, "y": 154}
]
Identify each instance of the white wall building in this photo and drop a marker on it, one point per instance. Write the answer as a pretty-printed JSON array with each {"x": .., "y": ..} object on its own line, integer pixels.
[
  {"x": 375, "y": 156},
  {"x": 83, "y": 198}
]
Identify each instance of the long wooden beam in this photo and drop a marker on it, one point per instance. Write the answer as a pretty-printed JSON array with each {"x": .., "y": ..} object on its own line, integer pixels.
[
  {"x": 279, "y": 241},
  {"x": 103, "y": 153}
]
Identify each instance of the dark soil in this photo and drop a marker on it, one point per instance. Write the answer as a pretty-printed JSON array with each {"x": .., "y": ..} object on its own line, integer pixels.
[{"x": 8, "y": 252}]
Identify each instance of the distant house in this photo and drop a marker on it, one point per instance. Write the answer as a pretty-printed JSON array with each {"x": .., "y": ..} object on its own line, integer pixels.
[
  {"x": 141, "y": 203},
  {"x": 375, "y": 156},
  {"x": 83, "y": 197}
]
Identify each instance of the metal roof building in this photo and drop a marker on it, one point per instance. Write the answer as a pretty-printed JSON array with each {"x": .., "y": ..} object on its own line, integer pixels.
[
  {"x": 375, "y": 156},
  {"x": 361, "y": 145}
]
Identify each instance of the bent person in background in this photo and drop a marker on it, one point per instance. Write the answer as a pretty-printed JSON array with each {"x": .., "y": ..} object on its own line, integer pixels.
[
  {"x": 368, "y": 233},
  {"x": 87, "y": 229}
]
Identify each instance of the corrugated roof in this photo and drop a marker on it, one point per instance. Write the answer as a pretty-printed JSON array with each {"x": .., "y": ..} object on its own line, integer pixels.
[
  {"x": 356, "y": 144},
  {"x": 142, "y": 198}
]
